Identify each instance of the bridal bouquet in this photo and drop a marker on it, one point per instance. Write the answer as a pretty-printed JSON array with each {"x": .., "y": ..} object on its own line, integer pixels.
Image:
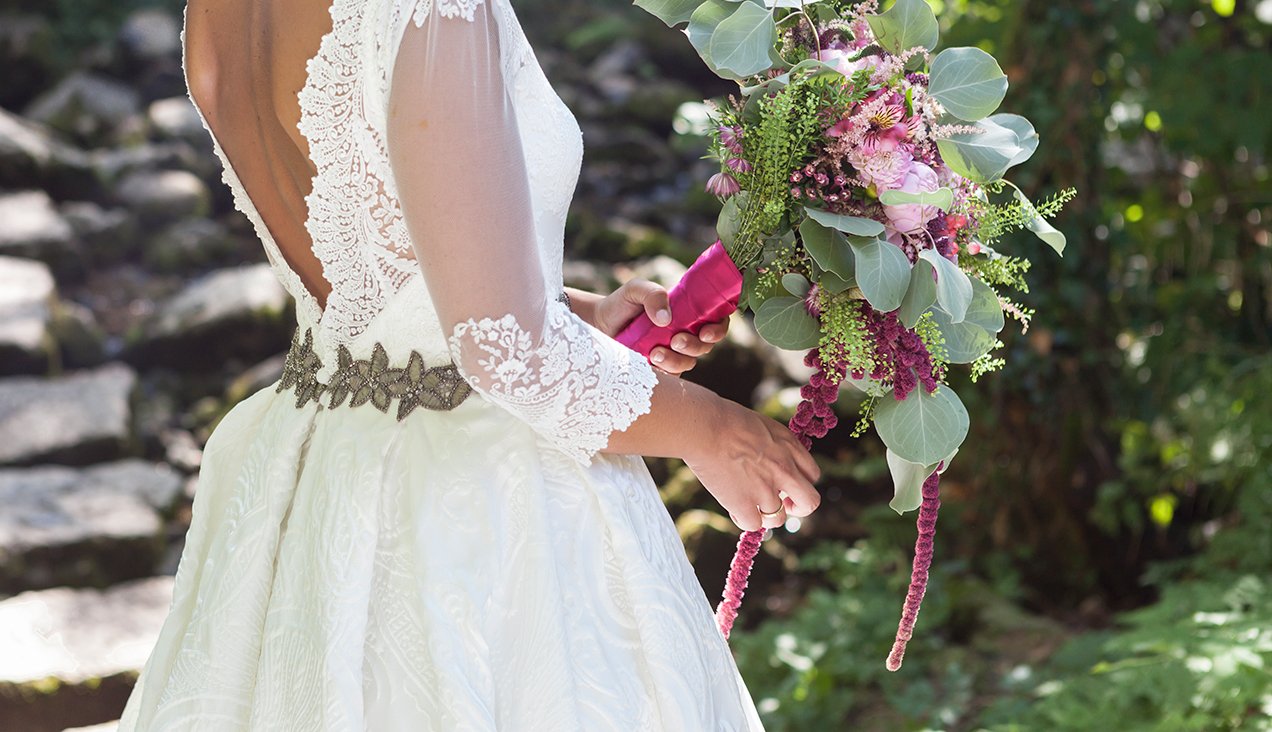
[{"x": 864, "y": 201}]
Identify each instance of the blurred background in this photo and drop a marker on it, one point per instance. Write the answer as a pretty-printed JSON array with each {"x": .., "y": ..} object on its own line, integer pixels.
[{"x": 1104, "y": 557}]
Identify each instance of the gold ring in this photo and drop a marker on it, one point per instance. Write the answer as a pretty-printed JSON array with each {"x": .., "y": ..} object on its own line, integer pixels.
[{"x": 771, "y": 514}]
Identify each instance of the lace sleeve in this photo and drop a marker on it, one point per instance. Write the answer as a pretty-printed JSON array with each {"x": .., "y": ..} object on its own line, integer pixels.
[{"x": 456, "y": 154}]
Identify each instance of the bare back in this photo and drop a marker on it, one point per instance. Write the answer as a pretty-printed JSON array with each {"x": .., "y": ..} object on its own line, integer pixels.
[{"x": 245, "y": 64}]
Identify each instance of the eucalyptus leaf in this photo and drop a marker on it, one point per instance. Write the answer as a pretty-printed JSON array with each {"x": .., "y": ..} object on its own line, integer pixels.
[
  {"x": 834, "y": 284},
  {"x": 785, "y": 322},
  {"x": 923, "y": 428},
  {"x": 985, "y": 310},
  {"x": 755, "y": 291},
  {"x": 867, "y": 386},
  {"x": 964, "y": 341},
  {"x": 968, "y": 82},
  {"x": 981, "y": 156},
  {"x": 920, "y": 294},
  {"x": 828, "y": 248},
  {"x": 953, "y": 286},
  {"x": 854, "y": 225},
  {"x": 702, "y": 25},
  {"x": 796, "y": 284},
  {"x": 908, "y": 23},
  {"x": 1023, "y": 129},
  {"x": 743, "y": 42},
  {"x": 883, "y": 272},
  {"x": 671, "y": 12},
  {"x": 907, "y": 482},
  {"x": 942, "y": 198},
  {"x": 1041, "y": 227}
]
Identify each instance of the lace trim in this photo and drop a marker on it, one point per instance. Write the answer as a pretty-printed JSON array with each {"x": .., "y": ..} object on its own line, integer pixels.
[
  {"x": 364, "y": 380},
  {"x": 354, "y": 217},
  {"x": 447, "y": 9},
  {"x": 575, "y": 388}
]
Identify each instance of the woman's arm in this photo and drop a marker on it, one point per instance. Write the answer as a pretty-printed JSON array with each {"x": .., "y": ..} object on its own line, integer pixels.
[{"x": 461, "y": 177}]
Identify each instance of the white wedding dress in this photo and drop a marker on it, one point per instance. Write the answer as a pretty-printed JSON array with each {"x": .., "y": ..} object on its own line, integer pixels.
[{"x": 392, "y": 567}]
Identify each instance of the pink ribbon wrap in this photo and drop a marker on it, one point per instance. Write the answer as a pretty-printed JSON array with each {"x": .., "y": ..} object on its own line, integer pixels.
[{"x": 707, "y": 293}]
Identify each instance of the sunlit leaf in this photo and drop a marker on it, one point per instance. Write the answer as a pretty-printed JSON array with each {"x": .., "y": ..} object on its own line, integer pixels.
[
  {"x": 923, "y": 428},
  {"x": 785, "y": 322},
  {"x": 953, "y": 286},
  {"x": 908, "y": 23},
  {"x": 883, "y": 272},
  {"x": 968, "y": 82}
]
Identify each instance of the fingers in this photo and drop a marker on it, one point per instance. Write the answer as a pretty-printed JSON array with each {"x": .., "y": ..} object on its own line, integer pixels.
[
  {"x": 652, "y": 297},
  {"x": 801, "y": 498},
  {"x": 772, "y": 518},
  {"x": 750, "y": 521},
  {"x": 689, "y": 344},
  {"x": 712, "y": 333},
  {"x": 670, "y": 361}
]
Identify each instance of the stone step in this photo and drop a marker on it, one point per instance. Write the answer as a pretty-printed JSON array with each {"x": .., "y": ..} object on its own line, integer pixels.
[
  {"x": 26, "y": 314},
  {"x": 79, "y": 419},
  {"x": 72, "y": 656},
  {"x": 83, "y": 527}
]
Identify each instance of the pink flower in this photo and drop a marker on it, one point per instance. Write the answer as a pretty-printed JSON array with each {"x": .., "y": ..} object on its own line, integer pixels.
[
  {"x": 731, "y": 137},
  {"x": 723, "y": 185},
  {"x": 738, "y": 165},
  {"x": 843, "y": 63},
  {"x": 884, "y": 169},
  {"x": 911, "y": 217}
]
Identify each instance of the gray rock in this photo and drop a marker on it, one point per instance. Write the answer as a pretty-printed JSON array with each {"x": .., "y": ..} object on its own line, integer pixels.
[
  {"x": 26, "y": 301},
  {"x": 85, "y": 527},
  {"x": 164, "y": 195},
  {"x": 76, "y": 419},
  {"x": 72, "y": 656},
  {"x": 81, "y": 342},
  {"x": 175, "y": 117},
  {"x": 661, "y": 269},
  {"x": 31, "y": 156},
  {"x": 189, "y": 244},
  {"x": 109, "y": 233},
  {"x": 113, "y": 164},
  {"x": 151, "y": 34},
  {"x": 87, "y": 106},
  {"x": 236, "y": 313},
  {"x": 33, "y": 228}
]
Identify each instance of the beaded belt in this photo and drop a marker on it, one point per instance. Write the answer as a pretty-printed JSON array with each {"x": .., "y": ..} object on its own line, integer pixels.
[{"x": 370, "y": 380}]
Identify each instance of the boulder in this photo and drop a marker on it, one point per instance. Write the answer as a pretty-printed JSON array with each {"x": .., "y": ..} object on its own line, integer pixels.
[
  {"x": 26, "y": 304},
  {"x": 150, "y": 35},
  {"x": 176, "y": 118},
  {"x": 81, "y": 342},
  {"x": 33, "y": 228},
  {"x": 89, "y": 107},
  {"x": 30, "y": 155},
  {"x": 112, "y": 165},
  {"x": 164, "y": 195},
  {"x": 77, "y": 419},
  {"x": 191, "y": 244},
  {"x": 239, "y": 313},
  {"x": 108, "y": 235},
  {"x": 72, "y": 655},
  {"x": 83, "y": 527}
]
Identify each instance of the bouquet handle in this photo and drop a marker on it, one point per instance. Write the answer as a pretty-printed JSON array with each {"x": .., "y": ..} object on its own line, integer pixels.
[{"x": 707, "y": 293}]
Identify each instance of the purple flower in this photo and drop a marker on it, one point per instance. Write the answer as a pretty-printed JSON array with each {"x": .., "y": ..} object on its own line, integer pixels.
[
  {"x": 738, "y": 165},
  {"x": 731, "y": 137},
  {"x": 723, "y": 185}
]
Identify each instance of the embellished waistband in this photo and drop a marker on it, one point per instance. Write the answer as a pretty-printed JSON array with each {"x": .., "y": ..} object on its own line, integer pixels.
[{"x": 370, "y": 380}]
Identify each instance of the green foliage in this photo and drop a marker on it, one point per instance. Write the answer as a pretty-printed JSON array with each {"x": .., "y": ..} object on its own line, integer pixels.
[
  {"x": 822, "y": 668},
  {"x": 993, "y": 220},
  {"x": 844, "y": 334},
  {"x": 1198, "y": 659}
]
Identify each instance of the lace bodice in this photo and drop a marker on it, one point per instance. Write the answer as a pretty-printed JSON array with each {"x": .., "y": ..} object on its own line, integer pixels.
[{"x": 445, "y": 167}]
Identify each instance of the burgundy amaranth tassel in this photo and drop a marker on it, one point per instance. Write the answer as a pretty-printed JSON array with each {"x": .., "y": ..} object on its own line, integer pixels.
[
  {"x": 919, "y": 574},
  {"x": 735, "y": 585}
]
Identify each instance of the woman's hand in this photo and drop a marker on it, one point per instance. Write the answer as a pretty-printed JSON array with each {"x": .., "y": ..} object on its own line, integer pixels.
[
  {"x": 752, "y": 465},
  {"x": 617, "y": 309}
]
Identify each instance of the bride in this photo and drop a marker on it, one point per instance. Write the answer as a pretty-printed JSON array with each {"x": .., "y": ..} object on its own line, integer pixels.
[{"x": 438, "y": 518}]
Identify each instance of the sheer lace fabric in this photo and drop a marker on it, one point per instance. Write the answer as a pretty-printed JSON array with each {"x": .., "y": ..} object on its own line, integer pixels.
[{"x": 456, "y": 151}]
